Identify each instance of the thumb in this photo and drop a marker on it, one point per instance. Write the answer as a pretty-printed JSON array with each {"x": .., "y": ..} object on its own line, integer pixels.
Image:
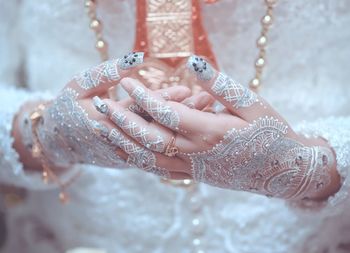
[{"x": 101, "y": 77}]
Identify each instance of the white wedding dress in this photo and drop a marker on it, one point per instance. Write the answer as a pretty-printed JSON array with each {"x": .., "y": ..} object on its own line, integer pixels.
[{"x": 44, "y": 43}]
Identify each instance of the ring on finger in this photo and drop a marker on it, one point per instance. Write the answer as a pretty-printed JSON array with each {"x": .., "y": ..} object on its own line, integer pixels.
[{"x": 171, "y": 150}]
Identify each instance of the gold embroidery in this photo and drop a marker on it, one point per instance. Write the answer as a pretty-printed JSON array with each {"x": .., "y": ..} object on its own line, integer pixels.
[{"x": 169, "y": 28}]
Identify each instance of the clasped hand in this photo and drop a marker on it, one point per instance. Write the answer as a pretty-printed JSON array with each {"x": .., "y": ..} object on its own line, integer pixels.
[{"x": 246, "y": 145}]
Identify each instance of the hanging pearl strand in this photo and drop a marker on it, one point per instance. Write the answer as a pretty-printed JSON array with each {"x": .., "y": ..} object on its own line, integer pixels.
[
  {"x": 96, "y": 25},
  {"x": 261, "y": 44},
  {"x": 195, "y": 202}
]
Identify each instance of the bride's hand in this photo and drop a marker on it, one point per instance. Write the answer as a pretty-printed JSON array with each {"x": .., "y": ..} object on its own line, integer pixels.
[
  {"x": 71, "y": 131},
  {"x": 247, "y": 146}
]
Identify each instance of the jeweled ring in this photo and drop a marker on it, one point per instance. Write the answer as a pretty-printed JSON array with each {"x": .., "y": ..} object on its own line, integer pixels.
[{"x": 171, "y": 150}]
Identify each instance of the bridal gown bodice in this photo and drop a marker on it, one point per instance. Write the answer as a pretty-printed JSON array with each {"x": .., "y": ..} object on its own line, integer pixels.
[{"x": 44, "y": 43}]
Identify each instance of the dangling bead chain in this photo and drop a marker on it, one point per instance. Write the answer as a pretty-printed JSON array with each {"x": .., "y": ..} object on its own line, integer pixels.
[
  {"x": 261, "y": 43},
  {"x": 96, "y": 25}
]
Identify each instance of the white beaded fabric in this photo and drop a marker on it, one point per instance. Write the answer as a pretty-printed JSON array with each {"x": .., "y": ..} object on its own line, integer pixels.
[{"x": 43, "y": 44}]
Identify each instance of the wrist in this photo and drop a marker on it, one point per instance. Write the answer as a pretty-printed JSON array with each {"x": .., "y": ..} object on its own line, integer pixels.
[
  {"x": 334, "y": 177},
  {"x": 23, "y": 139}
]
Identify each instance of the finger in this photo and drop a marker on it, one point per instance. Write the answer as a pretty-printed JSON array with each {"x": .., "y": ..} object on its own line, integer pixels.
[
  {"x": 174, "y": 93},
  {"x": 102, "y": 129},
  {"x": 144, "y": 158},
  {"x": 175, "y": 116},
  {"x": 238, "y": 99},
  {"x": 139, "y": 129},
  {"x": 150, "y": 135},
  {"x": 98, "y": 79},
  {"x": 138, "y": 155},
  {"x": 199, "y": 101}
]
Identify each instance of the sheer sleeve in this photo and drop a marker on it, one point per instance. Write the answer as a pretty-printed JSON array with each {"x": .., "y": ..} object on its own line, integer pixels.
[{"x": 336, "y": 130}]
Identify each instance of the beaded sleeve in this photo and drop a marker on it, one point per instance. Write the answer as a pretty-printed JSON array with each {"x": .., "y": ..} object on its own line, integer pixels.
[
  {"x": 337, "y": 131},
  {"x": 11, "y": 169}
]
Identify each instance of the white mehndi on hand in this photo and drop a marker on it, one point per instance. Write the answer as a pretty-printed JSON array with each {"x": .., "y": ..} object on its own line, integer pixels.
[
  {"x": 138, "y": 156},
  {"x": 139, "y": 133},
  {"x": 67, "y": 134},
  {"x": 259, "y": 158},
  {"x": 158, "y": 110},
  {"x": 233, "y": 92}
]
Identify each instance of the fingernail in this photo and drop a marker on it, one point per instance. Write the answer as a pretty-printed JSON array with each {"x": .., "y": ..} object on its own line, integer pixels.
[
  {"x": 202, "y": 69},
  {"x": 100, "y": 105},
  {"x": 131, "y": 60}
]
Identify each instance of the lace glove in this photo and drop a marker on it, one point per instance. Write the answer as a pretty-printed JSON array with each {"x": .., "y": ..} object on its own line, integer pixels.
[
  {"x": 247, "y": 146},
  {"x": 69, "y": 130}
]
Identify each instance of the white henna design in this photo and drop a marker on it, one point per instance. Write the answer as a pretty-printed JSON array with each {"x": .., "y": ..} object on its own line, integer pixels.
[
  {"x": 107, "y": 71},
  {"x": 68, "y": 136},
  {"x": 234, "y": 93},
  {"x": 157, "y": 109},
  {"x": 260, "y": 158},
  {"x": 138, "y": 156},
  {"x": 141, "y": 134}
]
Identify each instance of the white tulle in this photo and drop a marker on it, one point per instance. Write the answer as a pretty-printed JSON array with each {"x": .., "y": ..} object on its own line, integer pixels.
[{"x": 43, "y": 44}]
